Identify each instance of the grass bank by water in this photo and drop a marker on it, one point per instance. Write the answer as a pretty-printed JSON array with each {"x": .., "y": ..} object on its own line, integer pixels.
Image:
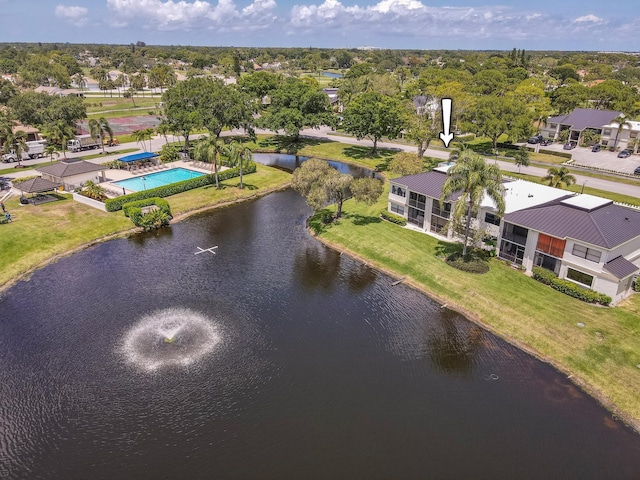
[
  {"x": 602, "y": 356},
  {"x": 41, "y": 233}
]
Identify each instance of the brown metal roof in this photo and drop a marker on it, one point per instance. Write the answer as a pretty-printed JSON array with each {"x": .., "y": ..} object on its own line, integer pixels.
[
  {"x": 67, "y": 168},
  {"x": 620, "y": 267},
  {"x": 608, "y": 226},
  {"x": 426, "y": 183}
]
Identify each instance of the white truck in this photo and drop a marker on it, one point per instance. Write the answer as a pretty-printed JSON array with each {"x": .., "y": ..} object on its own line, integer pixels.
[
  {"x": 35, "y": 150},
  {"x": 83, "y": 142}
]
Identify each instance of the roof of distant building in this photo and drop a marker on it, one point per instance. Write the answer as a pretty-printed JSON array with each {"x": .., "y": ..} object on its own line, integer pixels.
[
  {"x": 582, "y": 118},
  {"x": 426, "y": 183},
  {"x": 69, "y": 168}
]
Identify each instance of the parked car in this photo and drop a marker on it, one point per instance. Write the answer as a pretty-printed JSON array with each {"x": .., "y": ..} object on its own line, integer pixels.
[
  {"x": 569, "y": 145},
  {"x": 546, "y": 141},
  {"x": 624, "y": 154},
  {"x": 636, "y": 171},
  {"x": 596, "y": 148},
  {"x": 535, "y": 139}
]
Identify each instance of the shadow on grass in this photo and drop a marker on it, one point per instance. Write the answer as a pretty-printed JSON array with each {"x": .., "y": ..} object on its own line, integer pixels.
[
  {"x": 320, "y": 220},
  {"x": 360, "y": 220},
  {"x": 365, "y": 153},
  {"x": 445, "y": 249},
  {"x": 246, "y": 186},
  {"x": 290, "y": 145}
]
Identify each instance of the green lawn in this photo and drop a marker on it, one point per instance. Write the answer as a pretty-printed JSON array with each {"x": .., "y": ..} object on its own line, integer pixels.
[
  {"x": 603, "y": 355},
  {"x": 39, "y": 233}
]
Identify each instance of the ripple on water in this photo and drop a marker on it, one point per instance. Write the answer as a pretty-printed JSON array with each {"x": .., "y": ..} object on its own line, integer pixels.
[{"x": 170, "y": 337}]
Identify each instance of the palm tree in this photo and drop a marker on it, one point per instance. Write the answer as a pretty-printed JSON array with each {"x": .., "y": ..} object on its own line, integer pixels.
[
  {"x": 521, "y": 157},
  {"x": 95, "y": 131},
  {"x": 51, "y": 151},
  {"x": 59, "y": 132},
  {"x": 473, "y": 178},
  {"x": 239, "y": 155},
  {"x": 163, "y": 129},
  {"x": 16, "y": 141},
  {"x": 559, "y": 177},
  {"x": 80, "y": 80},
  {"x": 621, "y": 121},
  {"x": 139, "y": 136},
  {"x": 207, "y": 150},
  {"x": 148, "y": 135},
  {"x": 105, "y": 128}
]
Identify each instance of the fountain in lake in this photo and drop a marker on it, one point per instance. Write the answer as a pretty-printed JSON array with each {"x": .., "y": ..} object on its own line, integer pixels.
[{"x": 173, "y": 336}]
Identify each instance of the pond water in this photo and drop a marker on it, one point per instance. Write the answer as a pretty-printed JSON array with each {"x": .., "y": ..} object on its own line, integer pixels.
[{"x": 274, "y": 357}]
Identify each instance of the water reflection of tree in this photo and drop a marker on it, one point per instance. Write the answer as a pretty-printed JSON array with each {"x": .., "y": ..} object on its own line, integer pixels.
[
  {"x": 141, "y": 239},
  {"x": 316, "y": 268},
  {"x": 319, "y": 268},
  {"x": 452, "y": 343}
]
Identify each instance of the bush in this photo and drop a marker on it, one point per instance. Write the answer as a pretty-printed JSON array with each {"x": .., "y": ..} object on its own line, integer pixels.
[
  {"x": 393, "y": 218},
  {"x": 152, "y": 220},
  {"x": 636, "y": 285},
  {"x": 553, "y": 152},
  {"x": 470, "y": 263},
  {"x": 159, "y": 202},
  {"x": 569, "y": 288},
  {"x": 115, "y": 204},
  {"x": 169, "y": 153}
]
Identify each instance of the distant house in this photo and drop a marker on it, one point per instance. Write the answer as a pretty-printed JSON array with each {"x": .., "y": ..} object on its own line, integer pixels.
[
  {"x": 577, "y": 122},
  {"x": 73, "y": 172},
  {"x": 614, "y": 136},
  {"x": 425, "y": 104},
  {"x": 60, "y": 92},
  {"x": 585, "y": 239}
]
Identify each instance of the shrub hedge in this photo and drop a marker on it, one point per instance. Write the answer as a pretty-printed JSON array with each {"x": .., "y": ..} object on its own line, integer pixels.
[
  {"x": 569, "y": 288},
  {"x": 115, "y": 204},
  {"x": 393, "y": 218},
  {"x": 159, "y": 202},
  {"x": 471, "y": 264},
  {"x": 636, "y": 285}
]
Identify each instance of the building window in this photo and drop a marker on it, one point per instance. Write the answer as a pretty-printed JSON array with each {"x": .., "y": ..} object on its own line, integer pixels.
[
  {"x": 444, "y": 212},
  {"x": 401, "y": 192},
  {"x": 633, "y": 134},
  {"x": 579, "y": 277},
  {"x": 491, "y": 219},
  {"x": 553, "y": 126},
  {"x": 587, "y": 253},
  {"x": 416, "y": 217},
  {"x": 399, "y": 209},
  {"x": 606, "y": 132},
  {"x": 417, "y": 200},
  {"x": 438, "y": 224},
  {"x": 551, "y": 245}
]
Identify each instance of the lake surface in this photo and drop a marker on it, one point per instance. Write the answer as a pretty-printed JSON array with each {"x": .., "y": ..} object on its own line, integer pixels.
[{"x": 275, "y": 357}]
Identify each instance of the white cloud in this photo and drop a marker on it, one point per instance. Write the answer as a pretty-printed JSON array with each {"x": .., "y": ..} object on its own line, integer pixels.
[
  {"x": 184, "y": 15},
  {"x": 588, "y": 19},
  {"x": 76, "y": 15}
]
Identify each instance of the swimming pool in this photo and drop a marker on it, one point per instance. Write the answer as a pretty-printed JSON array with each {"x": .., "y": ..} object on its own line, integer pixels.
[{"x": 158, "y": 179}]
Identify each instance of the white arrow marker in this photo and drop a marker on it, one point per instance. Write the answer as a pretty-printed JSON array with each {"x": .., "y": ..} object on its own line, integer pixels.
[{"x": 445, "y": 135}]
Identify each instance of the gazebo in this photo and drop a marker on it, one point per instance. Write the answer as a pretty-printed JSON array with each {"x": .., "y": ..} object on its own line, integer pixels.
[{"x": 36, "y": 187}]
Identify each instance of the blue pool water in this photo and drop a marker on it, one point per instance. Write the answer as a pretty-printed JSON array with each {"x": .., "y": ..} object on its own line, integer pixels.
[{"x": 158, "y": 179}]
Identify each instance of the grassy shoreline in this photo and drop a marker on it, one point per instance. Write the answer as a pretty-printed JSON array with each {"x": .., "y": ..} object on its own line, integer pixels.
[{"x": 601, "y": 358}]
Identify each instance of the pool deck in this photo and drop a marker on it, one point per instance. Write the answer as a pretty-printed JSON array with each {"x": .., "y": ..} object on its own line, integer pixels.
[{"x": 116, "y": 175}]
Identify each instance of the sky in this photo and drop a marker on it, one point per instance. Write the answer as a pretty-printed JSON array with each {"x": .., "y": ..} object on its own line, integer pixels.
[{"x": 398, "y": 24}]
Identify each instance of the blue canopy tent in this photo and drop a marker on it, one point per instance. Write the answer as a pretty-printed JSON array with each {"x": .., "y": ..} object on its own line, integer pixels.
[{"x": 136, "y": 157}]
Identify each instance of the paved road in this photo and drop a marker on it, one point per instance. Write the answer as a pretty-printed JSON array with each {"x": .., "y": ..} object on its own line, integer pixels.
[{"x": 325, "y": 134}]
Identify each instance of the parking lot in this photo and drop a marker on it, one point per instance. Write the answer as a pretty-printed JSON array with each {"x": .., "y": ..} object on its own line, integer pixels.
[{"x": 602, "y": 159}]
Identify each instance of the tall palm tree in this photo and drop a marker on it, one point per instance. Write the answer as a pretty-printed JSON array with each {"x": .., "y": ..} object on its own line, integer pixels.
[
  {"x": 59, "y": 132},
  {"x": 559, "y": 177},
  {"x": 105, "y": 128},
  {"x": 239, "y": 155},
  {"x": 207, "y": 150},
  {"x": 139, "y": 136},
  {"x": 95, "y": 131},
  {"x": 473, "y": 178},
  {"x": 51, "y": 151},
  {"x": 80, "y": 80},
  {"x": 17, "y": 142},
  {"x": 163, "y": 129},
  {"x": 148, "y": 135},
  {"x": 621, "y": 121}
]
